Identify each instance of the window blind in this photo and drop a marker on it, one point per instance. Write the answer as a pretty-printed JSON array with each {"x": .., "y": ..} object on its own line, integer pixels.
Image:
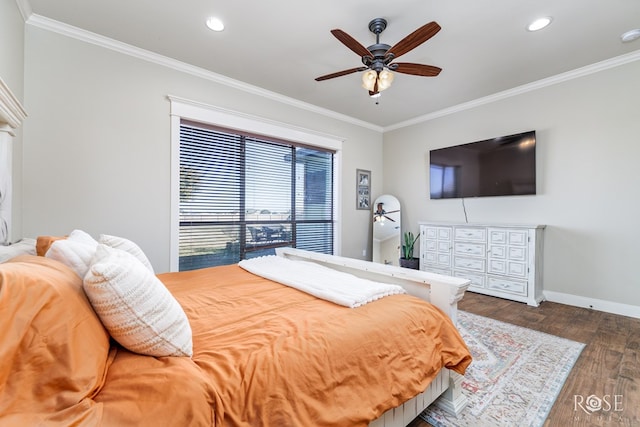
[{"x": 243, "y": 195}]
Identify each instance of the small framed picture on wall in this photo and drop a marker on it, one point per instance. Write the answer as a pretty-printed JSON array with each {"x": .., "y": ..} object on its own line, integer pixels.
[{"x": 363, "y": 189}]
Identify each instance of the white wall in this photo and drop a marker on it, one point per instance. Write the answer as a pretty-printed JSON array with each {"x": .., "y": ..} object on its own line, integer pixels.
[
  {"x": 12, "y": 73},
  {"x": 588, "y": 149},
  {"x": 97, "y": 143}
]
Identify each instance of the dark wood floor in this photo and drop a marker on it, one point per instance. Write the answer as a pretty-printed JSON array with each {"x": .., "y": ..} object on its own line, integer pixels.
[{"x": 609, "y": 365}]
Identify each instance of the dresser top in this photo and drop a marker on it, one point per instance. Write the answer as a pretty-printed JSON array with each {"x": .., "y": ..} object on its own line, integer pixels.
[{"x": 479, "y": 224}]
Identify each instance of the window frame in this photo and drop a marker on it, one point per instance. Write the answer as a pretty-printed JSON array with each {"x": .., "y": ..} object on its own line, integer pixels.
[{"x": 181, "y": 108}]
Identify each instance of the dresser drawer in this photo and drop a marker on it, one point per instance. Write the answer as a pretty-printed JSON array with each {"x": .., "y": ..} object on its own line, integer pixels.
[
  {"x": 437, "y": 259},
  {"x": 515, "y": 268},
  {"x": 472, "y": 249},
  {"x": 518, "y": 253},
  {"x": 475, "y": 264},
  {"x": 444, "y": 233},
  {"x": 517, "y": 237},
  {"x": 515, "y": 253},
  {"x": 437, "y": 233},
  {"x": 507, "y": 237},
  {"x": 437, "y": 246},
  {"x": 497, "y": 237},
  {"x": 507, "y": 267},
  {"x": 470, "y": 233},
  {"x": 499, "y": 252},
  {"x": 510, "y": 286},
  {"x": 431, "y": 232},
  {"x": 477, "y": 280},
  {"x": 431, "y": 245}
]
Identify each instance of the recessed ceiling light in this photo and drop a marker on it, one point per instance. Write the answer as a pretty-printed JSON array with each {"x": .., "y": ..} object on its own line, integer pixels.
[
  {"x": 539, "y": 23},
  {"x": 215, "y": 24},
  {"x": 630, "y": 35}
]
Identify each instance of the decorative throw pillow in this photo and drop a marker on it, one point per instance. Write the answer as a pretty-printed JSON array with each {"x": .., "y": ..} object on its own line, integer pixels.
[
  {"x": 43, "y": 243},
  {"x": 136, "y": 308},
  {"x": 127, "y": 246},
  {"x": 75, "y": 251}
]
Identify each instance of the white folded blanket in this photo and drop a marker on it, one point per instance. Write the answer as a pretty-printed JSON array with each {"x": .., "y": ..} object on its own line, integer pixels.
[{"x": 320, "y": 281}]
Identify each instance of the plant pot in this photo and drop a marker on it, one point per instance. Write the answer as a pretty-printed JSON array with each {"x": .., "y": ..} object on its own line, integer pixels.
[{"x": 413, "y": 263}]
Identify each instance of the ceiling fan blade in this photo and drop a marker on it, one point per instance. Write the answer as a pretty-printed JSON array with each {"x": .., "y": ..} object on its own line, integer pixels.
[
  {"x": 351, "y": 43},
  {"x": 417, "y": 69},
  {"x": 390, "y": 219},
  {"x": 415, "y": 39},
  {"x": 340, "y": 73}
]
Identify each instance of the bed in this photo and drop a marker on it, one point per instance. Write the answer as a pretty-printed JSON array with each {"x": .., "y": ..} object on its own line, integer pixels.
[{"x": 262, "y": 354}]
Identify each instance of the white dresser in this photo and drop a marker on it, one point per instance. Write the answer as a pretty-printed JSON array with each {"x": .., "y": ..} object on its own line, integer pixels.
[{"x": 500, "y": 260}]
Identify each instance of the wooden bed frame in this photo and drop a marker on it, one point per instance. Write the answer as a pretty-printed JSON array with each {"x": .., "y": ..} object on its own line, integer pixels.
[{"x": 442, "y": 291}]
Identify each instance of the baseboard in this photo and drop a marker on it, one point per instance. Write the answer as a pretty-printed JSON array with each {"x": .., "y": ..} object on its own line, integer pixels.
[{"x": 594, "y": 304}]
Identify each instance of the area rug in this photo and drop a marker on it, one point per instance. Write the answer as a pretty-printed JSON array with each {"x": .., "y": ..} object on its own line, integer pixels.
[{"x": 515, "y": 376}]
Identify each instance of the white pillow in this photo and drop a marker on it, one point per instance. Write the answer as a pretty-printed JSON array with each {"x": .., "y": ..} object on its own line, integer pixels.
[
  {"x": 82, "y": 237},
  {"x": 75, "y": 251},
  {"x": 25, "y": 246},
  {"x": 134, "y": 305},
  {"x": 127, "y": 246}
]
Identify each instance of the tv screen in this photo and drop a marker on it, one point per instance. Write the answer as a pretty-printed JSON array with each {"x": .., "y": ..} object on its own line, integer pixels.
[{"x": 501, "y": 166}]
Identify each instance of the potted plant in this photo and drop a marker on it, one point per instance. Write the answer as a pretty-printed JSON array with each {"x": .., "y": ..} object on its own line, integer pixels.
[{"x": 407, "y": 260}]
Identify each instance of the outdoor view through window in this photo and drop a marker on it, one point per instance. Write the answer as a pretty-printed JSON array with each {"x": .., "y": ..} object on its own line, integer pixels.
[{"x": 242, "y": 196}]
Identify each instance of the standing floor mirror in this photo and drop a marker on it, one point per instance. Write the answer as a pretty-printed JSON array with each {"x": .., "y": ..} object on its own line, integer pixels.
[{"x": 386, "y": 230}]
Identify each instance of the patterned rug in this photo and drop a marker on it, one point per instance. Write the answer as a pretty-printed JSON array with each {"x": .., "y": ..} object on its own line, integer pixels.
[{"x": 515, "y": 376}]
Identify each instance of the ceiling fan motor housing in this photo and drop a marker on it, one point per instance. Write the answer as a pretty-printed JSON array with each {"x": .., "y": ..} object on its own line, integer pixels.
[{"x": 378, "y": 59}]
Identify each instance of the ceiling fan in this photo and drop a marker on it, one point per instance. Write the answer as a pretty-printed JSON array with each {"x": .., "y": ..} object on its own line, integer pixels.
[
  {"x": 377, "y": 58},
  {"x": 380, "y": 214}
]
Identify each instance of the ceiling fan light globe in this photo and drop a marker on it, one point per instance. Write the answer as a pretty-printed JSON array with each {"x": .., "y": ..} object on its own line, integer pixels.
[
  {"x": 385, "y": 78},
  {"x": 369, "y": 79}
]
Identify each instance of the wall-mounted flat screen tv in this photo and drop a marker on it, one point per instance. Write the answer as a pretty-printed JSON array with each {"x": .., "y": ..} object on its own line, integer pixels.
[{"x": 503, "y": 166}]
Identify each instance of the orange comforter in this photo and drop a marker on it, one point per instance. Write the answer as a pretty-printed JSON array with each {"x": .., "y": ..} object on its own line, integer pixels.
[{"x": 269, "y": 355}]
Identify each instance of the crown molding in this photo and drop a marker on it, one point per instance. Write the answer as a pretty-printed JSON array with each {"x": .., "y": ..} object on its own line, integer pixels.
[
  {"x": 519, "y": 90},
  {"x": 25, "y": 9},
  {"x": 108, "y": 43},
  {"x": 12, "y": 114}
]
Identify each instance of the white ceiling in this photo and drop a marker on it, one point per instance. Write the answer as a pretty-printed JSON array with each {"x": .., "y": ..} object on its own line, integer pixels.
[{"x": 282, "y": 45}]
